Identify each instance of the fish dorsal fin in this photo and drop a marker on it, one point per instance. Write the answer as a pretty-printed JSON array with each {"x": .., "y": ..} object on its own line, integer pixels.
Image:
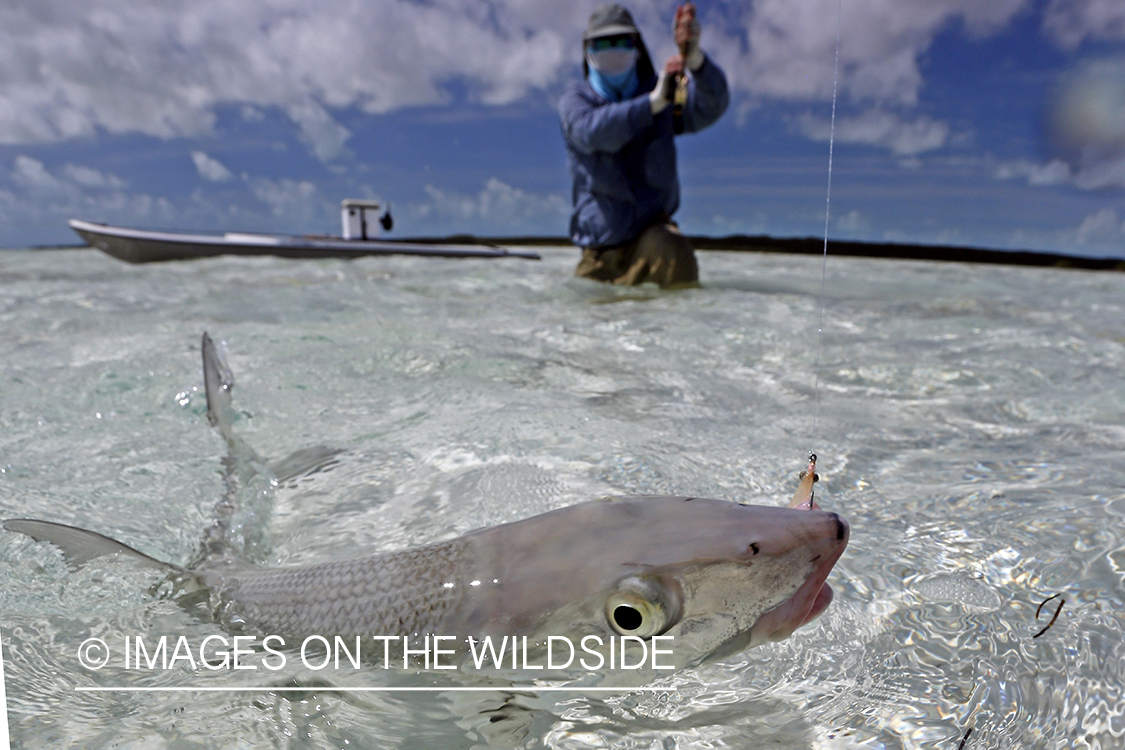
[
  {"x": 218, "y": 381},
  {"x": 80, "y": 546}
]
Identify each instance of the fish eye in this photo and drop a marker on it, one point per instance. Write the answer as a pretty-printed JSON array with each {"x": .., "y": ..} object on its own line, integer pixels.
[
  {"x": 627, "y": 617},
  {"x": 643, "y": 606}
]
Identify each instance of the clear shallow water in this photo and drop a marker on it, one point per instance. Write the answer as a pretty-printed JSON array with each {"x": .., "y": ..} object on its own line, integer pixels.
[{"x": 971, "y": 426}]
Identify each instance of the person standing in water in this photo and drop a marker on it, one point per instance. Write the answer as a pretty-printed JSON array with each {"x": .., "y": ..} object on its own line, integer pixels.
[{"x": 619, "y": 124}]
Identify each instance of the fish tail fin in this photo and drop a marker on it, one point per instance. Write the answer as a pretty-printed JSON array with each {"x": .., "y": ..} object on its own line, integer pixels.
[{"x": 80, "y": 546}]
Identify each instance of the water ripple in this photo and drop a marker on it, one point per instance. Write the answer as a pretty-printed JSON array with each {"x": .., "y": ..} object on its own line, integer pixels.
[{"x": 970, "y": 424}]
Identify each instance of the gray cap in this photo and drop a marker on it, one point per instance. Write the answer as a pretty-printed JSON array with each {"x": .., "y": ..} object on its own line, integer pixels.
[{"x": 609, "y": 20}]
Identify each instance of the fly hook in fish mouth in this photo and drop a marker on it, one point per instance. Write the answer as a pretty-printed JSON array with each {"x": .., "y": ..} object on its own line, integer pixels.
[{"x": 803, "y": 497}]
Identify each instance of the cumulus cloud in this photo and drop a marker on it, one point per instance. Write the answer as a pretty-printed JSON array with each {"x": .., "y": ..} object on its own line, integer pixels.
[
  {"x": 45, "y": 196},
  {"x": 1102, "y": 174},
  {"x": 32, "y": 175},
  {"x": 853, "y": 222},
  {"x": 496, "y": 204},
  {"x": 92, "y": 178},
  {"x": 1105, "y": 174},
  {"x": 162, "y": 69},
  {"x": 72, "y": 69},
  {"x": 786, "y": 49},
  {"x": 74, "y": 190},
  {"x": 879, "y": 127},
  {"x": 1055, "y": 172},
  {"x": 1071, "y": 22},
  {"x": 1104, "y": 223},
  {"x": 1103, "y": 229},
  {"x": 324, "y": 135},
  {"x": 73, "y": 181},
  {"x": 210, "y": 168},
  {"x": 287, "y": 197}
]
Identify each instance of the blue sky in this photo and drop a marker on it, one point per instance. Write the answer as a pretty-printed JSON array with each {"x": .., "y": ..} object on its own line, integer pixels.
[{"x": 998, "y": 123}]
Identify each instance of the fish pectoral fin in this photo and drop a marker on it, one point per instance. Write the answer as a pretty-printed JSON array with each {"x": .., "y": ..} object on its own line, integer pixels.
[{"x": 80, "y": 546}]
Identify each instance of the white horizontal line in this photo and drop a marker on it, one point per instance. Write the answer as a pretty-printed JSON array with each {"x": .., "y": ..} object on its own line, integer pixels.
[{"x": 320, "y": 689}]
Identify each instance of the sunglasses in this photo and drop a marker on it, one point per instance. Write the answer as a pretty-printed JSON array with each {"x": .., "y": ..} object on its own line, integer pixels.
[{"x": 610, "y": 42}]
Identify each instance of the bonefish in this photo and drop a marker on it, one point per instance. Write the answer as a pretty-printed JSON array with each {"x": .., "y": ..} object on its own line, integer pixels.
[{"x": 715, "y": 576}]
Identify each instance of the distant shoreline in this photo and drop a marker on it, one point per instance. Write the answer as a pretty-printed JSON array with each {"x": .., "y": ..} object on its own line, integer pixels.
[
  {"x": 804, "y": 246},
  {"x": 844, "y": 248}
]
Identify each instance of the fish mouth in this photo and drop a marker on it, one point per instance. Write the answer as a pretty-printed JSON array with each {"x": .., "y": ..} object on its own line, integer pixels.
[{"x": 809, "y": 601}]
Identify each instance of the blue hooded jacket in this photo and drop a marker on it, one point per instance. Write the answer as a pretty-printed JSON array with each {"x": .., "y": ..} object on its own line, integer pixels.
[{"x": 623, "y": 159}]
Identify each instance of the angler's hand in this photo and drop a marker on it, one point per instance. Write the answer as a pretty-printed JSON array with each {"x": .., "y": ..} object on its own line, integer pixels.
[
  {"x": 685, "y": 30},
  {"x": 661, "y": 96}
]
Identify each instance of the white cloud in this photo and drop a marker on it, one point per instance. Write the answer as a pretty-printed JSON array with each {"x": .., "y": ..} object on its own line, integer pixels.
[
  {"x": 295, "y": 202},
  {"x": 1071, "y": 22},
  {"x": 92, "y": 178},
  {"x": 786, "y": 49},
  {"x": 1102, "y": 229},
  {"x": 73, "y": 191},
  {"x": 162, "y": 69},
  {"x": 1103, "y": 224},
  {"x": 73, "y": 184},
  {"x": 879, "y": 127},
  {"x": 72, "y": 69},
  {"x": 1100, "y": 232},
  {"x": 1055, "y": 172},
  {"x": 1103, "y": 174},
  {"x": 43, "y": 197},
  {"x": 853, "y": 222},
  {"x": 498, "y": 204},
  {"x": 210, "y": 168},
  {"x": 33, "y": 176},
  {"x": 757, "y": 222},
  {"x": 325, "y": 136}
]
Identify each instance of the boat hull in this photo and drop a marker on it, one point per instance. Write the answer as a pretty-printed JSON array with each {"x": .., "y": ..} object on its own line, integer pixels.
[{"x": 142, "y": 246}]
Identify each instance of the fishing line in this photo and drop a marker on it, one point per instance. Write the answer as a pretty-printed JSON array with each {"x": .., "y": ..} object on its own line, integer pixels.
[{"x": 827, "y": 213}]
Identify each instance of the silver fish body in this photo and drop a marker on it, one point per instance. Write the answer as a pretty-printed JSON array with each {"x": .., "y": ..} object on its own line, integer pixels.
[
  {"x": 711, "y": 576},
  {"x": 708, "y": 573}
]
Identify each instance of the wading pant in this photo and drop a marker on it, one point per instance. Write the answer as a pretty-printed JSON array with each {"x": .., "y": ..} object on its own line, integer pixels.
[{"x": 660, "y": 254}]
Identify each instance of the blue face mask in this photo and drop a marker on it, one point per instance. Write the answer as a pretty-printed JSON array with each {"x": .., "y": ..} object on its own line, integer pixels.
[{"x": 613, "y": 72}]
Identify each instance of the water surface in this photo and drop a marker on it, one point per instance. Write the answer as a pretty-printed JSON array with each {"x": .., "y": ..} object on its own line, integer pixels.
[{"x": 969, "y": 419}]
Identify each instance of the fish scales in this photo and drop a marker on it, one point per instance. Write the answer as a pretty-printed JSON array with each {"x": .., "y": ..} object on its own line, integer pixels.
[{"x": 405, "y": 592}]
